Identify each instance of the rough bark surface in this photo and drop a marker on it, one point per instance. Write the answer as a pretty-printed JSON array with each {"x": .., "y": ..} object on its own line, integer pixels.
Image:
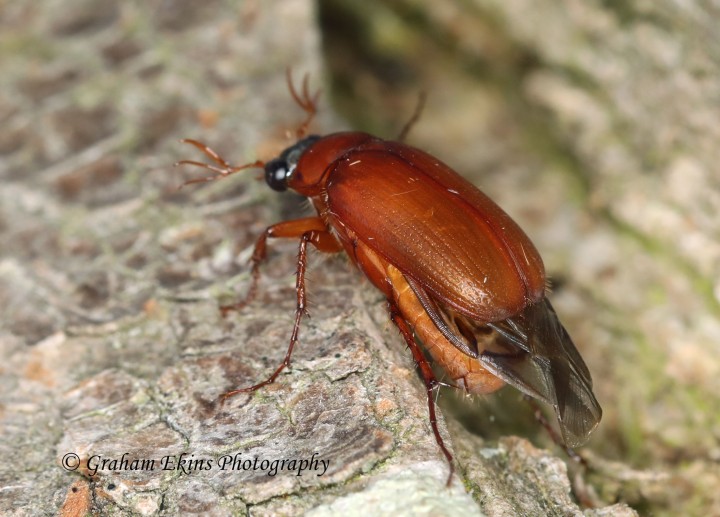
[
  {"x": 594, "y": 123},
  {"x": 112, "y": 343}
]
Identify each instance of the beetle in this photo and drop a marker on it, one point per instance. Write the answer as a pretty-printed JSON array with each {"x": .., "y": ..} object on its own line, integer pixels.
[{"x": 459, "y": 275}]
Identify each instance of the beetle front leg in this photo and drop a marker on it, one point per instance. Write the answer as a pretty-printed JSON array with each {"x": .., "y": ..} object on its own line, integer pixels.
[
  {"x": 431, "y": 382},
  {"x": 320, "y": 239}
]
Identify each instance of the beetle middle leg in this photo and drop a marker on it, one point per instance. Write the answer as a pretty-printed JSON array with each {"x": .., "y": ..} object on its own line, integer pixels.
[
  {"x": 431, "y": 382},
  {"x": 414, "y": 118},
  {"x": 310, "y": 230}
]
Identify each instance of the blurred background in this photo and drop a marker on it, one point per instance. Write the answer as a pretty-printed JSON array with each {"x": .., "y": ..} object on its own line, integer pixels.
[{"x": 594, "y": 124}]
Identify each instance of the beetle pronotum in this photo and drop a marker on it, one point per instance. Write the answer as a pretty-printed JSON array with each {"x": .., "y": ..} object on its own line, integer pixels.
[{"x": 458, "y": 274}]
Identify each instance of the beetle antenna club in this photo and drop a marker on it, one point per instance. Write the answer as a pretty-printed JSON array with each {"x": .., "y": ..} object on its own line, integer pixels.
[
  {"x": 462, "y": 279},
  {"x": 221, "y": 170},
  {"x": 303, "y": 99}
]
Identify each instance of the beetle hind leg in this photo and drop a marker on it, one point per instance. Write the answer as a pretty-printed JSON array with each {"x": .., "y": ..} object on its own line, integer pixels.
[
  {"x": 552, "y": 433},
  {"x": 431, "y": 382}
]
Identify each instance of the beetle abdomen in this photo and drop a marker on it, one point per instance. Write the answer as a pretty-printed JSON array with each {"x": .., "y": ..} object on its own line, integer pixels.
[
  {"x": 530, "y": 351},
  {"x": 466, "y": 371}
]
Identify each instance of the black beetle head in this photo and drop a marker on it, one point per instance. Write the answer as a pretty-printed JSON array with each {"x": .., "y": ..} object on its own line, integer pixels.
[{"x": 279, "y": 170}]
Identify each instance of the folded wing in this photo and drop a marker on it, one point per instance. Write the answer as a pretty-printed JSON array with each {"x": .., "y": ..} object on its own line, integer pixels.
[{"x": 534, "y": 353}]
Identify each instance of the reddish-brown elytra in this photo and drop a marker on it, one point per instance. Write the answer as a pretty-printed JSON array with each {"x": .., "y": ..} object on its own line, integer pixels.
[{"x": 458, "y": 274}]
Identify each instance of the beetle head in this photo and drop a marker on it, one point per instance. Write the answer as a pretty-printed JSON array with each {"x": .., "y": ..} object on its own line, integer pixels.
[{"x": 279, "y": 170}]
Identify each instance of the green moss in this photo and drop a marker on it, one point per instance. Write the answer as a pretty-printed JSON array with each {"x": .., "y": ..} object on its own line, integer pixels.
[
  {"x": 627, "y": 13},
  {"x": 703, "y": 286}
]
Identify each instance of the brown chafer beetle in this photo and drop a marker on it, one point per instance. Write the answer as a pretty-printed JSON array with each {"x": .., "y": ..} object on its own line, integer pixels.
[{"x": 459, "y": 275}]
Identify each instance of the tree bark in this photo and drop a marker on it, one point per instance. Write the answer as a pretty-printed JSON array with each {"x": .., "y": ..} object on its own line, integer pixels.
[{"x": 110, "y": 277}]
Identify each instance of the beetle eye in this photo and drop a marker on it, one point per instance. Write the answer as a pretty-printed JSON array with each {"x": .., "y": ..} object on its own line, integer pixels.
[
  {"x": 277, "y": 173},
  {"x": 279, "y": 170}
]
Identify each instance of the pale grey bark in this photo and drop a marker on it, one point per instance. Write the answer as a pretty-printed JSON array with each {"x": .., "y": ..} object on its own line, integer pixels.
[{"x": 110, "y": 278}]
